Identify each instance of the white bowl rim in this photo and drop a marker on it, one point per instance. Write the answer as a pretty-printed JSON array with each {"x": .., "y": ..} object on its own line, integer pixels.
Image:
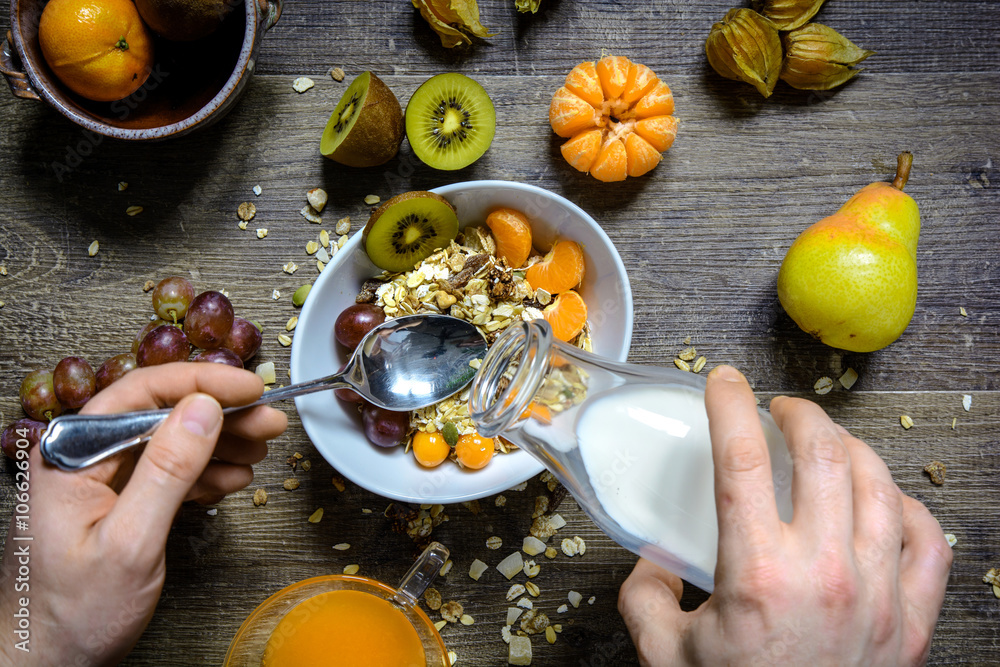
[{"x": 532, "y": 467}]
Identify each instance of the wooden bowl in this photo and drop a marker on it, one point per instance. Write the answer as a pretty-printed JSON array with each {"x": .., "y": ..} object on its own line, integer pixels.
[{"x": 193, "y": 84}]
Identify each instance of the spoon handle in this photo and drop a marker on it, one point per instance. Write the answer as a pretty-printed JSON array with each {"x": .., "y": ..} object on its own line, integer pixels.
[{"x": 73, "y": 442}]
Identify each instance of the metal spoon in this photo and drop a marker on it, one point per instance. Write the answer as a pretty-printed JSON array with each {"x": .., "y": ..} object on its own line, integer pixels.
[{"x": 402, "y": 364}]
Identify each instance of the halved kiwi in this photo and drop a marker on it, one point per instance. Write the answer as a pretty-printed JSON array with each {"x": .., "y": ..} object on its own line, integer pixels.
[
  {"x": 450, "y": 121},
  {"x": 407, "y": 229},
  {"x": 366, "y": 128}
]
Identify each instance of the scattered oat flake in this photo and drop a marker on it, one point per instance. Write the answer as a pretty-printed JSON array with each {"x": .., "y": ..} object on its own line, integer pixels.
[
  {"x": 532, "y": 588},
  {"x": 302, "y": 84},
  {"x": 848, "y": 379},
  {"x": 337, "y": 74},
  {"x": 477, "y": 568},
  {"x": 687, "y": 354},
  {"x": 439, "y": 625},
  {"x": 133, "y": 211},
  {"x": 147, "y": 286},
  {"x": 681, "y": 364},
  {"x": 351, "y": 569},
  {"x": 276, "y": 294},
  {"x": 519, "y": 651},
  {"x": 451, "y": 611},
  {"x": 823, "y": 385},
  {"x": 311, "y": 248},
  {"x": 320, "y": 266},
  {"x": 446, "y": 568},
  {"x": 967, "y": 402},
  {"x": 122, "y": 186},
  {"x": 699, "y": 364},
  {"x": 246, "y": 211},
  {"x": 292, "y": 322},
  {"x": 992, "y": 577},
  {"x": 259, "y": 497},
  {"x": 343, "y": 226},
  {"x": 906, "y": 421},
  {"x": 592, "y": 599},
  {"x": 563, "y": 608},
  {"x": 365, "y": 510},
  {"x": 310, "y": 214},
  {"x": 290, "y": 268},
  {"x": 951, "y": 539},
  {"x": 515, "y": 591},
  {"x": 317, "y": 198},
  {"x": 291, "y": 484},
  {"x": 338, "y": 484},
  {"x": 324, "y": 238},
  {"x": 371, "y": 200},
  {"x": 936, "y": 470},
  {"x": 550, "y": 635},
  {"x": 568, "y": 547},
  {"x": 261, "y": 232},
  {"x": 500, "y": 500},
  {"x": 494, "y": 542},
  {"x": 531, "y": 569},
  {"x": 242, "y": 224},
  {"x": 433, "y": 598},
  {"x": 996, "y": 591},
  {"x": 93, "y": 248},
  {"x": 284, "y": 340},
  {"x": 343, "y": 546},
  {"x": 212, "y": 512},
  {"x": 466, "y": 620},
  {"x": 257, "y": 190},
  {"x": 526, "y": 603},
  {"x": 550, "y": 552},
  {"x": 316, "y": 517},
  {"x": 3, "y": 272},
  {"x": 961, "y": 311}
]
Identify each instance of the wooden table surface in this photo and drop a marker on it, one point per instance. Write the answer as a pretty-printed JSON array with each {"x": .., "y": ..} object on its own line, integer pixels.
[{"x": 702, "y": 237}]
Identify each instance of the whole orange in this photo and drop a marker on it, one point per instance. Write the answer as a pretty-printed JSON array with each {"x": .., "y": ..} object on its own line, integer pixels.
[{"x": 99, "y": 48}]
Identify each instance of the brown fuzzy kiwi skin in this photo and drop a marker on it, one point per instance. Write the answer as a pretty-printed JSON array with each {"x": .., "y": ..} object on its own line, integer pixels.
[
  {"x": 378, "y": 131},
  {"x": 406, "y": 196},
  {"x": 184, "y": 20}
]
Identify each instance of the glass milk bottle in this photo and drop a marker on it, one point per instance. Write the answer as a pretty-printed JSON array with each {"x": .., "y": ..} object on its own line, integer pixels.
[{"x": 631, "y": 443}]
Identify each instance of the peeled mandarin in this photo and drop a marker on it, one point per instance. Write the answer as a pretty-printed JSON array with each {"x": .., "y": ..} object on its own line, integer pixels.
[
  {"x": 566, "y": 315},
  {"x": 611, "y": 163},
  {"x": 640, "y": 156},
  {"x": 561, "y": 269},
  {"x": 639, "y": 82},
  {"x": 613, "y": 72},
  {"x": 583, "y": 81},
  {"x": 569, "y": 113},
  {"x": 659, "y": 131},
  {"x": 657, "y": 102},
  {"x": 513, "y": 235},
  {"x": 582, "y": 150}
]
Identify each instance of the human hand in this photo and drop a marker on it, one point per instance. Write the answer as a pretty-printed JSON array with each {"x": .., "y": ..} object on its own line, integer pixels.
[
  {"x": 97, "y": 560},
  {"x": 857, "y": 578}
]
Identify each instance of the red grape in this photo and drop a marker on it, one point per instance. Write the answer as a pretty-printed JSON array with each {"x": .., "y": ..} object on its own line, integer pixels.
[
  {"x": 30, "y": 430},
  {"x": 74, "y": 382},
  {"x": 355, "y": 322},
  {"x": 115, "y": 367},
  {"x": 163, "y": 345},
  {"x": 209, "y": 318},
  {"x": 220, "y": 356},
  {"x": 38, "y": 396},
  {"x": 385, "y": 428},
  {"x": 347, "y": 395},
  {"x": 144, "y": 331},
  {"x": 244, "y": 338},
  {"x": 171, "y": 298}
]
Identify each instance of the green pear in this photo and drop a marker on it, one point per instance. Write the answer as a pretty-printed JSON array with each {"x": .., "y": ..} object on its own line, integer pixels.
[{"x": 851, "y": 279}]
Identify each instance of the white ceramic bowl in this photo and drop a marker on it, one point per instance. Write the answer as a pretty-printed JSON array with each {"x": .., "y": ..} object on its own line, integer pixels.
[{"x": 334, "y": 426}]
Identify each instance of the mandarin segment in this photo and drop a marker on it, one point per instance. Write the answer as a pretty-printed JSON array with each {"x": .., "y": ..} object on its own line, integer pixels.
[
  {"x": 561, "y": 269},
  {"x": 566, "y": 315},
  {"x": 602, "y": 107},
  {"x": 613, "y": 72},
  {"x": 611, "y": 164},
  {"x": 570, "y": 114},
  {"x": 659, "y": 131},
  {"x": 583, "y": 81},
  {"x": 582, "y": 150},
  {"x": 513, "y": 235},
  {"x": 641, "y": 157}
]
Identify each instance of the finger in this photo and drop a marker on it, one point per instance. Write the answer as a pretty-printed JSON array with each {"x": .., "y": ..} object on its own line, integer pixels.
[
  {"x": 163, "y": 386},
  {"x": 219, "y": 480},
  {"x": 923, "y": 569},
  {"x": 878, "y": 512},
  {"x": 649, "y": 604},
  {"x": 260, "y": 423},
  {"x": 241, "y": 451},
  {"x": 821, "y": 470},
  {"x": 744, "y": 490},
  {"x": 172, "y": 462}
]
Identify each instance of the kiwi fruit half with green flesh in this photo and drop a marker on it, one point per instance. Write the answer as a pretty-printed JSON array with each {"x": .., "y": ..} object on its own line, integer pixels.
[
  {"x": 407, "y": 229},
  {"x": 366, "y": 128},
  {"x": 450, "y": 121}
]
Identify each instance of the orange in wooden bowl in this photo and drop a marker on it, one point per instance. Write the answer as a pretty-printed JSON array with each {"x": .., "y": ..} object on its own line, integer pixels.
[
  {"x": 99, "y": 48},
  {"x": 617, "y": 115}
]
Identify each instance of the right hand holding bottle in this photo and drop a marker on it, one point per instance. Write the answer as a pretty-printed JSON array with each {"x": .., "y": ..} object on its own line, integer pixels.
[{"x": 857, "y": 578}]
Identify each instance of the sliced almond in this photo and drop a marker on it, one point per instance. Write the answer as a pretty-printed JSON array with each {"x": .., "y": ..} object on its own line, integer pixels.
[
  {"x": 511, "y": 565},
  {"x": 317, "y": 198}
]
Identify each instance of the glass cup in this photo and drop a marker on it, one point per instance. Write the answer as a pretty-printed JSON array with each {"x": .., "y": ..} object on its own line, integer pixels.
[
  {"x": 248, "y": 646},
  {"x": 631, "y": 443}
]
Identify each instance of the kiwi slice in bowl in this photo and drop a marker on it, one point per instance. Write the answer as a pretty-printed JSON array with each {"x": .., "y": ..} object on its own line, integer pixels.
[
  {"x": 450, "y": 121},
  {"x": 366, "y": 127},
  {"x": 407, "y": 229}
]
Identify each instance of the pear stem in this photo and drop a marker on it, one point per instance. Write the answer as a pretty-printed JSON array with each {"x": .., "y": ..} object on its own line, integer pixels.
[{"x": 903, "y": 165}]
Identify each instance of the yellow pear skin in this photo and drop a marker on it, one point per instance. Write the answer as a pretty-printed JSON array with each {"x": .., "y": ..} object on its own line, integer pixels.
[{"x": 850, "y": 280}]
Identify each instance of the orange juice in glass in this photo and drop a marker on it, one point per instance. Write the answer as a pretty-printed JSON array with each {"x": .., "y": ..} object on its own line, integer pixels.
[{"x": 345, "y": 621}]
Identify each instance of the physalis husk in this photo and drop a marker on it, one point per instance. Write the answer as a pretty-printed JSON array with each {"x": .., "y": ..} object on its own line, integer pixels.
[{"x": 453, "y": 20}]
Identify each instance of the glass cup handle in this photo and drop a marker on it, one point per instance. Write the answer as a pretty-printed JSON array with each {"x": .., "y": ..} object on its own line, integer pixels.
[{"x": 421, "y": 575}]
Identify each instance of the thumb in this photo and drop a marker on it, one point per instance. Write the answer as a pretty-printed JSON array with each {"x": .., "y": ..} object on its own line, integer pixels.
[
  {"x": 649, "y": 603},
  {"x": 169, "y": 466}
]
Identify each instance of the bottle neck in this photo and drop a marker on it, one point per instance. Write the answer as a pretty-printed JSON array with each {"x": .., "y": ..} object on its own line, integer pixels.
[{"x": 510, "y": 376}]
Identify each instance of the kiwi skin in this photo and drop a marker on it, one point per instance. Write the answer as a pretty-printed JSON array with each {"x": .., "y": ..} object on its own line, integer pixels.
[
  {"x": 378, "y": 131},
  {"x": 406, "y": 196}
]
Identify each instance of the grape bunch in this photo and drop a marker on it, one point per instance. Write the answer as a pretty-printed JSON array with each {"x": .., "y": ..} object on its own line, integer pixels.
[
  {"x": 183, "y": 320},
  {"x": 384, "y": 428}
]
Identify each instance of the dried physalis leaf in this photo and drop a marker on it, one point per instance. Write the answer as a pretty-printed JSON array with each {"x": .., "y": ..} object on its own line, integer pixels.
[
  {"x": 453, "y": 20},
  {"x": 788, "y": 14},
  {"x": 745, "y": 46},
  {"x": 819, "y": 58}
]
